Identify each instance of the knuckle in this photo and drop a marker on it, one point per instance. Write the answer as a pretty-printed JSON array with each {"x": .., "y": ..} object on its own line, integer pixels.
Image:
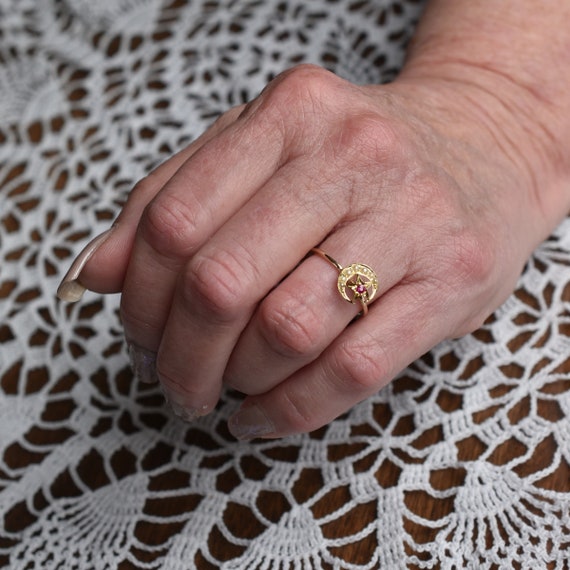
[
  {"x": 301, "y": 93},
  {"x": 466, "y": 256},
  {"x": 171, "y": 226},
  {"x": 470, "y": 273},
  {"x": 291, "y": 328},
  {"x": 289, "y": 112},
  {"x": 478, "y": 256},
  {"x": 218, "y": 284},
  {"x": 304, "y": 80},
  {"x": 360, "y": 368},
  {"x": 471, "y": 260},
  {"x": 368, "y": 139}
]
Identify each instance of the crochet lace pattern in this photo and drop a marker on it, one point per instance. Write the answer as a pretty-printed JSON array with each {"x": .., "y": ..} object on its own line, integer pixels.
[{"x": 97, "y": 473}]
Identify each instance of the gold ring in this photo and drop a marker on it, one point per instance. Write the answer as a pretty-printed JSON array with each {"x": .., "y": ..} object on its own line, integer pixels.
[{"x": 357, "y": 283}]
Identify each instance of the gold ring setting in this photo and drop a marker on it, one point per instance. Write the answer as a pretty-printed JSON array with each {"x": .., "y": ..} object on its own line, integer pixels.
[{"x": 356, "y": 283}]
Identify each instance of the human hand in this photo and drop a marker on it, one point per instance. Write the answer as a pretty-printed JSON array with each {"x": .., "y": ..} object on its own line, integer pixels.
[{"x": 413, "y": 179}]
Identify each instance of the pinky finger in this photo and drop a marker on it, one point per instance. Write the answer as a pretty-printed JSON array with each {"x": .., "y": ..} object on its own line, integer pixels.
[{"x": 398, "y": 329}]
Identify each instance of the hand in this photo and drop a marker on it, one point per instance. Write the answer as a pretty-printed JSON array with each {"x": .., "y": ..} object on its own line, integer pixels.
[{"x": 414, "y": 179}]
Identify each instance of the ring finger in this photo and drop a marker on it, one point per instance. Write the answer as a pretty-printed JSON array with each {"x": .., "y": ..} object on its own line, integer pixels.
[{"x": 301, "y": 317}]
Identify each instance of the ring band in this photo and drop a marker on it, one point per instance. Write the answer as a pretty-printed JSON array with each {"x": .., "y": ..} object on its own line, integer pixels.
[{"x": 357, "y": 283}]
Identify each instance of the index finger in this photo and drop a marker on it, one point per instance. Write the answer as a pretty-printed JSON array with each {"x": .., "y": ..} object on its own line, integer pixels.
[{"x": 102, "y": 264}]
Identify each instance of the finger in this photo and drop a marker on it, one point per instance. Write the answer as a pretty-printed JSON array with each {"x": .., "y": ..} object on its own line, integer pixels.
[
  {"x": 305, "y": 313},
  {"x": 399, "y": 328},
  {"x": 220, "y": 288},
  {"x": 203, "y": 194},
  {"x": 104, "y": 272}
]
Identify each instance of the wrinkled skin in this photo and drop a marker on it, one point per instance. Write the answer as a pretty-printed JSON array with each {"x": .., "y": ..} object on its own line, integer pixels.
[{"x": 411, "y": 178}]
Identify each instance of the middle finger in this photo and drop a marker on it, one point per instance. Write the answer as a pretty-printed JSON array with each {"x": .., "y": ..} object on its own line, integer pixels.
[{"x": 221, "y": 286}]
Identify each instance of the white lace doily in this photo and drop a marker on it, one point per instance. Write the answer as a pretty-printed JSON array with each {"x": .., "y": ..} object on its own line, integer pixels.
[{"x": 464, "y": 461}]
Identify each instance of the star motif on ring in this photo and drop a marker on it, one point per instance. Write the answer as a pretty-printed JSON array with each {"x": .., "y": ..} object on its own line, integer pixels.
[{"x": 358, "y": 283}]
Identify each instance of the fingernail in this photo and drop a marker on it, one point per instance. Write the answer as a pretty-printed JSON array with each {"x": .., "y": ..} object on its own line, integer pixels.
[
  {"x": 180, "y": 407},
  {"x": 249, "y": 422},
  {"x": 143, "y": 363},
  {"x": 70, "y": 288}
]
